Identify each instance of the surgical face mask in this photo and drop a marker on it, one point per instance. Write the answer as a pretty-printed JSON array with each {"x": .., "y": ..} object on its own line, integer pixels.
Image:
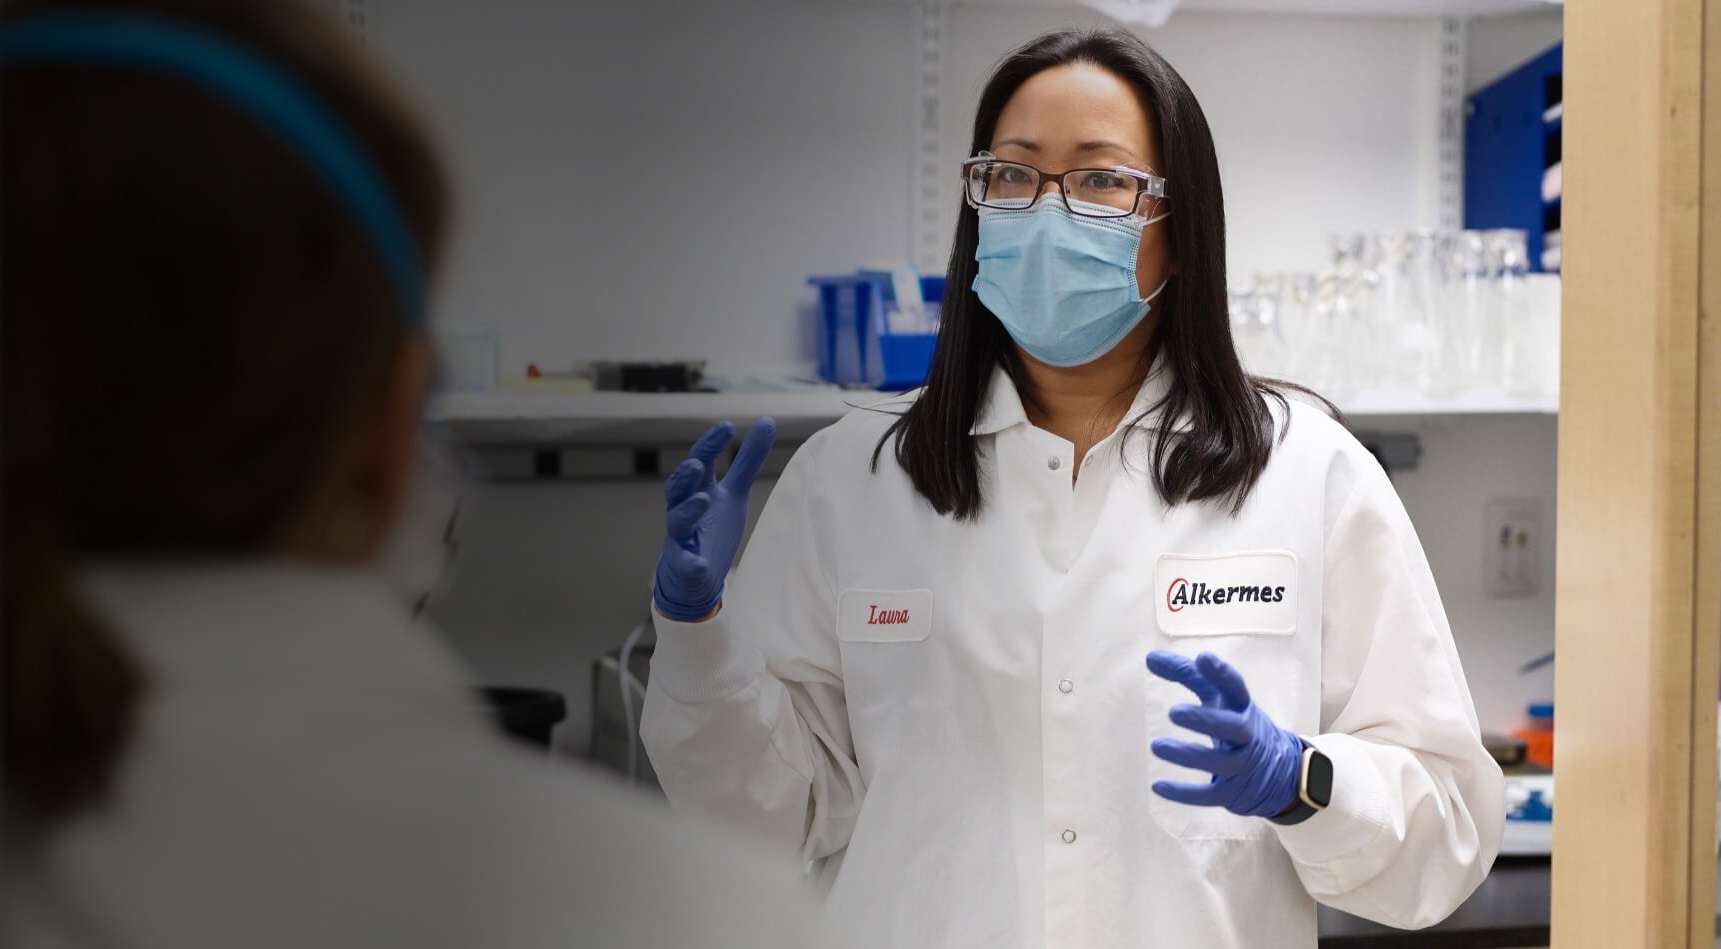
[{"x": 1062, "y": 284}]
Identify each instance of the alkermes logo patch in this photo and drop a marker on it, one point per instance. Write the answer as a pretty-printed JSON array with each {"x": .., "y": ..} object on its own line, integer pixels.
[{"x": 1183, "y": 594}]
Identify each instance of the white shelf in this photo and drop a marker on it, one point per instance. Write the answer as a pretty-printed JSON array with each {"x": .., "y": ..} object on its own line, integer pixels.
[
  {"x": 1482, "y": 402},
  {"x": 618, "y": 419},
  {"x": 635, "y": 419}
]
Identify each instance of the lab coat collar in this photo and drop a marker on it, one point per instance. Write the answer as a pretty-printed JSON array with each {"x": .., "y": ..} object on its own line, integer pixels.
[
  {"x": 280, "y": 622},
  {"x": 1003, "y": 407}
]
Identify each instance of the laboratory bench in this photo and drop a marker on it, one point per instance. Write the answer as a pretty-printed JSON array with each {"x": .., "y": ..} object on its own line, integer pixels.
[{"x": 1510, "y": 910}]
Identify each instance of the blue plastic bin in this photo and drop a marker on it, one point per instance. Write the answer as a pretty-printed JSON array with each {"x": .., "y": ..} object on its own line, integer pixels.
[{"x": 855, "y": 348}]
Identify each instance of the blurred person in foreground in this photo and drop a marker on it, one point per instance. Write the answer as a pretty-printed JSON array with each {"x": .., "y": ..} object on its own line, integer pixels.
[{"x": 222, "y": 727}]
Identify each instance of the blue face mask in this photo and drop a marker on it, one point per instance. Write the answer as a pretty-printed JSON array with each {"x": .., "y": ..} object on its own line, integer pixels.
[{"x": 1062, "y": 284}]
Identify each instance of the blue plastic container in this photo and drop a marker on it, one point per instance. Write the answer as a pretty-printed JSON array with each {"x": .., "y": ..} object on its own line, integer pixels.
[
  {"x": 855, "y": 345},
  {"x": 1534, "y": 809}
]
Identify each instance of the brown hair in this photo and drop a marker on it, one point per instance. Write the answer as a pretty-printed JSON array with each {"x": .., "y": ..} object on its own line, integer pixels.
[{"x": 192, "y": 323}]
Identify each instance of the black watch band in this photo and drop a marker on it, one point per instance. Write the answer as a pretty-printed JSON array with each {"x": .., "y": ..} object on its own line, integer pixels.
[
  {"x": 1314, "y": 787},
  {"x": 1298, "y": 813}
]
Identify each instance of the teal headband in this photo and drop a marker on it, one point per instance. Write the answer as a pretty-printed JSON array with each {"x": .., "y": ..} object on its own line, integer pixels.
[{"x": 256, "y": 86}]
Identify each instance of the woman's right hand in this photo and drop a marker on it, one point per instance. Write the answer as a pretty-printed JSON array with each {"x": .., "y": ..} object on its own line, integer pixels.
[{"x": 706, "y": 520}]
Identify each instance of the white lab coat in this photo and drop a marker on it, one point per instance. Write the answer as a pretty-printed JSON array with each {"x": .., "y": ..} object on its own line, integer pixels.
[
  {"x": 310, "y": 768},
  {"x": 957, "y": 715}
]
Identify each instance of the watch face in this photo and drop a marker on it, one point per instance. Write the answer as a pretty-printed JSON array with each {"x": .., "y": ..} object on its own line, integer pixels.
[{"x": 1320, "y": 783}]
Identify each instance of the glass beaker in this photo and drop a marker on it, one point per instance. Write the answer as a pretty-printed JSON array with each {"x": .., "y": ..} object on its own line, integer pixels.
[
  {"x": 1520, "y": 370},
  {"x": 1422, "y": 333},
  {"x": 1329, "y": 356},
  {"x": 1271, "y": 312},
  {"x": 1464, "y": 315},
  {"x": 1391, "y": 254}
]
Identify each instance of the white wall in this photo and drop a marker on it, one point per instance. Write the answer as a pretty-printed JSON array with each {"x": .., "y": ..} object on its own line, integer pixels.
[
  {"x": 1466, "y": 462},
  {"x": 1495, "y": 46},
  {"x": 549, "y": 576},
  {"x": 1322, "y": 124},
  {"x": 658, "y": 179}
]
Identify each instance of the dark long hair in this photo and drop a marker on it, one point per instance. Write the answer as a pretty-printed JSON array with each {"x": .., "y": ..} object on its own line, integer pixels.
[
  {"x": 192, "y": 326},
  {"x": 1227, "y": 431}
]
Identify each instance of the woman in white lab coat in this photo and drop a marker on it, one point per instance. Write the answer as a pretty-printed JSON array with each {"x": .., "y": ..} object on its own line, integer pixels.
[
  {"x": 222, "y": 728},
  {"x": 1095, "y": 640}
]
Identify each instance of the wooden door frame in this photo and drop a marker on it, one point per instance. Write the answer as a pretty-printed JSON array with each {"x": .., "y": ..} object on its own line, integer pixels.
[{"x": 1638, "y": 598}]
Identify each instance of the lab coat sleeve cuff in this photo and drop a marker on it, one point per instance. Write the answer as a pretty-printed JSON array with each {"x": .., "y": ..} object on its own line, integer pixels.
[
  {"x": 696, "y": 663},
  {"x": 1359, "y": 812}
]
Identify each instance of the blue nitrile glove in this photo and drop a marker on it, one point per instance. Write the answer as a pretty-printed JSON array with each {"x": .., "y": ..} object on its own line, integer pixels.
[
  {"x": 1255, "y": 764},
  {"x": 706, "y": 519}
]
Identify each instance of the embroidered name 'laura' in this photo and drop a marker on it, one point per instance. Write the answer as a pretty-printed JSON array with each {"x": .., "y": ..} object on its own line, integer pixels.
[
  {"x": 886, "y": 617},
  {"x": 1182, "y": 594}
]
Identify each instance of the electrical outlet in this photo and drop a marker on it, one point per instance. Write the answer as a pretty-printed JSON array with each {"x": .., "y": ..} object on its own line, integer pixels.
[{"x": 1512, "y": 558}]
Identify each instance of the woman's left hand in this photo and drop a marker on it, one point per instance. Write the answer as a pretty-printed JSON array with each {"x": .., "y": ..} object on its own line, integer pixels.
[{"x": 1255, "y": 763}]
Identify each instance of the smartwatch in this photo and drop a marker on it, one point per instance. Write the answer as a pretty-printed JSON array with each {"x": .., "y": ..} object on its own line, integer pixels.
[{"x": 1314, "y": 787}]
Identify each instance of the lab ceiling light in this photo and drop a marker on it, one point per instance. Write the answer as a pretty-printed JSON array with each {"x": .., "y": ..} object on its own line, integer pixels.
[{"x": 1146, "y": 13}]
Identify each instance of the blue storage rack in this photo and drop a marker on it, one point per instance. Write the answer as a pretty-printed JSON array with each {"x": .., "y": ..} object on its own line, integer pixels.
[
  {"x": 1509, "y": 144},
  {"x": 855, "y": 346}
]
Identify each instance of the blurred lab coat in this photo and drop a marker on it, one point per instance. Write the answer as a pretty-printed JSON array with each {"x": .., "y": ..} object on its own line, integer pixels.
[
  {"x": 951, "y": 719},
  {"x": 311, "y": 768}
]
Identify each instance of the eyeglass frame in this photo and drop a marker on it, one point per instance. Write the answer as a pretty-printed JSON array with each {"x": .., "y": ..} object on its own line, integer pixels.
[{"x": 1146, "y": 183}]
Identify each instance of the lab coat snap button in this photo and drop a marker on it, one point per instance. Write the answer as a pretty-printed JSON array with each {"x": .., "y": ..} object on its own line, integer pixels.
[
  {"x": 1065, "y": 686},
  {"x": 1069, "y": 836},
  {"x": 1054, "y": 463}
]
